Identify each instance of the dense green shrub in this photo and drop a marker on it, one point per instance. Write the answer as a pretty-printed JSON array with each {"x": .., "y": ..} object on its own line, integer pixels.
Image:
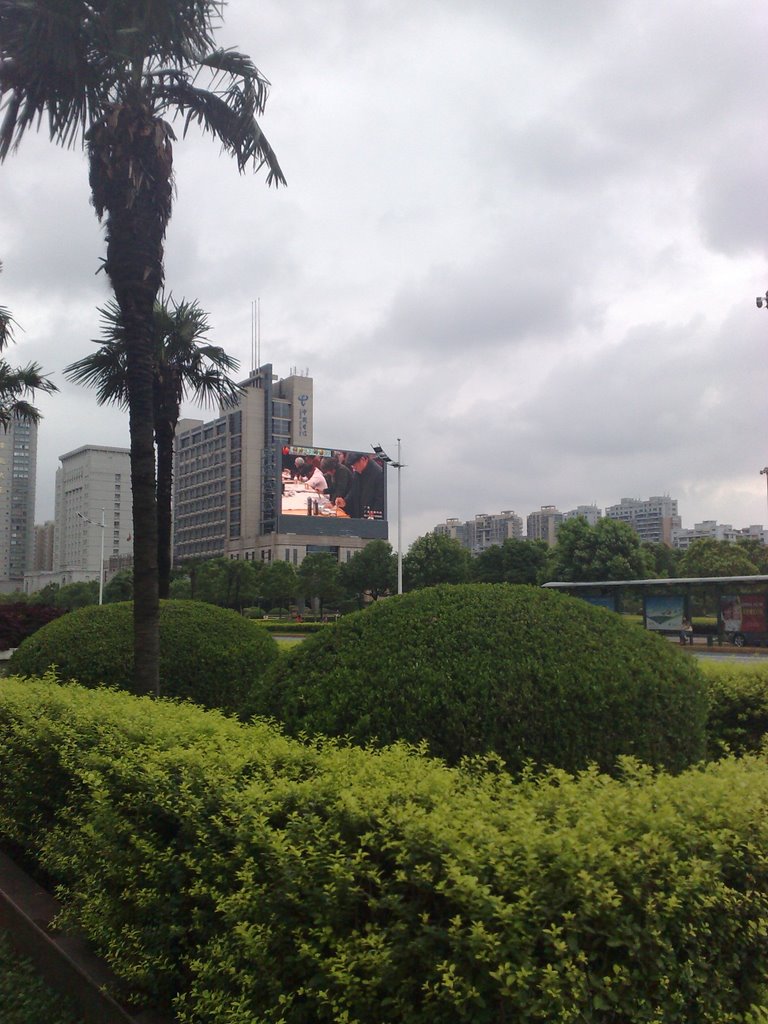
[
  {"x": 265, "y": 880},
  {"x": 207, "y": 654},
  {"x": 738, "y": 713},
  {"x": 527, "y": 673}
]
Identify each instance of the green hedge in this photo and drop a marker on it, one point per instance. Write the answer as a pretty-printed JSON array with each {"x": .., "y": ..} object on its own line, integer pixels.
[
  {"x": 527, "y": 673},
  {"x": 738, "y": 713},
  {"x": 207, "y": 654},
  {"x": 254, "y": 878},
  {"x": 290, "y": 627}
]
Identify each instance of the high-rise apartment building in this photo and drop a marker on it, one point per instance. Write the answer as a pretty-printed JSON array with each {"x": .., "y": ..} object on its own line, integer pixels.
[
  {"x": 589, "y": 512},
  {"x": 227, "y": 490},
  {"x": 18, "y": 461},
  {"x": 93, "y": 486},
  {"x": 653, "y": 519},
  {"x": 482, "y": 532},
  {"x": 43, "y": 558},
  {"x": 542, "y": 525},
  {"x": 710, "y": 529}
]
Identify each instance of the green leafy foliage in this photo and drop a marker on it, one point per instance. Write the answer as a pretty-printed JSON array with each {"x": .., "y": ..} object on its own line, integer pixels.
[
  {"x": 120, "y": 587},
  {"x": 207, "y": 654},
  {"x": 738, "y": 713},
  {"x": 514, "y": 561},
  {"x": 245, "y": 877},
  {"x": 756, "y": 551},
  {"x": 227, "y": 582},
  {"x": 278, "y": 583},
  {"x": 524, "y": 672},
  {"x": 609, "y": 550},
  {"x": 708, "y": 557},
  {"x": 318, "y": 578},
  {"x": 373, "y": 571},
  {"x": 435, "y": 559},
  {"x": 662, "y": 561}
]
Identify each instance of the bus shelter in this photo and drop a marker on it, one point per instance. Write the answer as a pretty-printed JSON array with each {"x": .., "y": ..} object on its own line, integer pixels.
[{"x": 737, "y": 605}]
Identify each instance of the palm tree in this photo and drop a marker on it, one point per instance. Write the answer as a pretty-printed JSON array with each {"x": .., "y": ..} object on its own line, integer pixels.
[
  {"x": 109, "y": 73},
  {"x": 185, "y": 366},
  {"x": 18, "y": 384}
]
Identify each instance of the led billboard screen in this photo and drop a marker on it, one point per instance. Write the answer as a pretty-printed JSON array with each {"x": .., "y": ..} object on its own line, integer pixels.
[{"x": 342, "y": 487}]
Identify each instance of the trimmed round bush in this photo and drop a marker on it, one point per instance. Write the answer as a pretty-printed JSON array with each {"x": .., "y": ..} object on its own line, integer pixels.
[
  {"x": 207, "y": 654},
  {"x": 529, "y": 674}
]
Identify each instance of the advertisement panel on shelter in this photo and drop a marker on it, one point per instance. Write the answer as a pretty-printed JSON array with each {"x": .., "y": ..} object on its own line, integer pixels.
[
  {"x": 664, "y": 612},
  {"x": 743, "y": 613},
  {"x": 332, "y": 483}
]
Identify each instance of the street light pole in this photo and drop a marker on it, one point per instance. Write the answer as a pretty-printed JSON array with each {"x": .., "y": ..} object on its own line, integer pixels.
[
  {"x": 398, "y": 465},
  {"x": 101, "y": 561},
  {"x": 764, "y": 471}
]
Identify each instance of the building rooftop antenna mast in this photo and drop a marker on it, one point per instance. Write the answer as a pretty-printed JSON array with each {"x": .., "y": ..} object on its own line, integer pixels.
[
  {"x": 255, "y": 335},
  {"x": 253, "y": 338}
]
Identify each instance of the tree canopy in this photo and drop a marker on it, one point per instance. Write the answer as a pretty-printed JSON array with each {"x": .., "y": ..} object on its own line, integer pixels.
[
  {"x": 434, "y": 559},
  {"x": 372, "y": 571},
  {"x": 708, "y": 557},
  {"x": 514, "y": 561},
  {"x": 610, "y": 550}
]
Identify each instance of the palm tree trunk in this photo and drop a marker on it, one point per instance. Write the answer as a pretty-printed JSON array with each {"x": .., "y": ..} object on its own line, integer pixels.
[
  {"x": 130, "y": 175},
  {"x": 164, "y": 432}
]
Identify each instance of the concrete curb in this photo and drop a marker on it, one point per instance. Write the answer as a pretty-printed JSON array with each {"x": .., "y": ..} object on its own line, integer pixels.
[{"x": 65, "y": 962}]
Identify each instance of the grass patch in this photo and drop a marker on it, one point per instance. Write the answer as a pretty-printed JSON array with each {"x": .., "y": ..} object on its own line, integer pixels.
[{"x": 24, "y": 997}]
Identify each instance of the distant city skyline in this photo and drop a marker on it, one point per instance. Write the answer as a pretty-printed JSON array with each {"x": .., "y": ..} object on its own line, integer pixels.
[{"x": 654, "y": 519}]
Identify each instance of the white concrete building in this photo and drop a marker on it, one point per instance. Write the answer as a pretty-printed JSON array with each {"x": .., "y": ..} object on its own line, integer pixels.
[
  {"x": 710, "y": 529},
  {"x": 93, "y": 483},
  {"x": 543, "y": 525},
  {"x": 653, "y": 519},
  {"x": 589, "y": 512}
]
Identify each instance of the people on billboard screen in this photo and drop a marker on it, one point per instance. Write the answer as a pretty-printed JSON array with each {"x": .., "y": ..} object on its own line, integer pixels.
[{"x": 329, "y": 482}]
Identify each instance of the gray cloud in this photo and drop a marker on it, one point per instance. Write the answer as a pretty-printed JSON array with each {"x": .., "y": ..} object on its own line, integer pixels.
[{"x": 524, "y": 238}]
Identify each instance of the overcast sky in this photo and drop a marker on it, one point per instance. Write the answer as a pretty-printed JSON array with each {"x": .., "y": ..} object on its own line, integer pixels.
[{"x": 526, "y": 238}]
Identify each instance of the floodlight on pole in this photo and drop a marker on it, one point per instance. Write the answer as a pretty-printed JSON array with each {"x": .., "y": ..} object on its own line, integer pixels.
[
  {"x": 101, "y": 565},
  {"x": 398, "y": 465}
]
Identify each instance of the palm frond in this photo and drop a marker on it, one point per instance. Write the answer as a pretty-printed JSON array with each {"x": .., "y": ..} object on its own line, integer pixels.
[
  {"x": 7, "y": 324},
  {"x": 17, "y": 384},
  {"x": 212, "y": 387},
  {"x": 19, "y": 410},
  {"x": 185, "y": 363},
  {"x": 30, "y": 378},
  {"x": 106, "y": 371},
  {"x": 229, "y": 117},
  {"x": 48, "y": 67}
]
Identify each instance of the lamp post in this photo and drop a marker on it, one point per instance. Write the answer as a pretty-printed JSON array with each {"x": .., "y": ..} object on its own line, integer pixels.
[
  {"x": 764, "y": 472},
  {"x": 398, "y": 465},
  {"x": 101, "y": 564}
]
